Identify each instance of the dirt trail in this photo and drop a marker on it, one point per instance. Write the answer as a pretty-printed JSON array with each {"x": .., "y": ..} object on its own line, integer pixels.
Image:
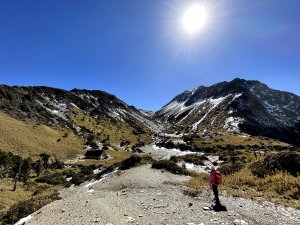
[{"x": 140, "y": 196}]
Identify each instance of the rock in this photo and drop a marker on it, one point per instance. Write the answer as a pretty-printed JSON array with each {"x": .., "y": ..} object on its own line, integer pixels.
[
  {"x": 160, "y": 206},
  {"x": 125, "y": 214},
  {"x": 97, "y": 220},
  {"x": 130, "y": 219},
  {"x": 140, "y": 215},
  {"x": 239, "y": 222},
  {"x": 109, "y": 224},
  {"x": 206, "y": 208},
  {"x": 190, "y": 204}
]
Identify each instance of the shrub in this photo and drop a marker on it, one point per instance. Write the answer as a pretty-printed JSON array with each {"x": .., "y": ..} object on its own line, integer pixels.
[
  {"x": 284, "y": 161},
  {"x": 229, "y": 168},
  {"x": 258, "y": 169},
  {"x": 26, "y": 208},
  {"x": 130, "y": 162},
  {"x": 191, "y": 158},
  {"x": 54, "y": 179},
  {"x": 78, "y": 178},
  {"x": 170, "y": 166},
  {"x": 87, "y": 170},
  {"x": 57, "y": 165}
]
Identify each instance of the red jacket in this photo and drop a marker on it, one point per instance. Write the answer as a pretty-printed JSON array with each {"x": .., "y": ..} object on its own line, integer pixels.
[{"x": 212, "y": 178}]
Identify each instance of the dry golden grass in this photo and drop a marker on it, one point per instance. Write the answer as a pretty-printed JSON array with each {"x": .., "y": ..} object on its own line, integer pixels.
[
  {"x": 230, "y": 139},
  {"x": 9, "y": 197},
  {"x": 117, "y": 157},
  {"x": 281, "y": 188},
  {"x": 26, "y": 139},
  {"x": 116, "y": 132}
]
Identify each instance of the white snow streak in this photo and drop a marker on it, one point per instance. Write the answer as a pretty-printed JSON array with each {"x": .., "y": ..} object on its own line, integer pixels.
[{"x": 232, "y": 124}]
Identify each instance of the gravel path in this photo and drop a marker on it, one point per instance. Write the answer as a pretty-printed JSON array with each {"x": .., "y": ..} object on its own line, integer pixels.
[{"x": 139, "y": 196}]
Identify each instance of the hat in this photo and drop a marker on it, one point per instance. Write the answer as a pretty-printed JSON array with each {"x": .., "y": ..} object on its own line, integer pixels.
[{"x": 213, "y": 168}]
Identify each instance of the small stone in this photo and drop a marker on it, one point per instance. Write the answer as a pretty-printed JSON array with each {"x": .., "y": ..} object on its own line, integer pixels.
[
  {"x": 125, "y": 214},
  {"x": 239, "y": 222},
  {"x": 190, "y": 204},
  {"x": 140, "y": 215},
  {"x": 206, "y": 208},
  {"x": 109, "y": 224}
]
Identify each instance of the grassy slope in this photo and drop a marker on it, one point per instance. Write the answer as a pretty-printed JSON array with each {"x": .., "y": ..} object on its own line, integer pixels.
[
  {"x": 23, "y": 192},
  {"x": 26, "y": 139},
  {"x": 280, "y": 188},
  {"x": 226, "y": 138},
  {"x": 102, "y": 129}
]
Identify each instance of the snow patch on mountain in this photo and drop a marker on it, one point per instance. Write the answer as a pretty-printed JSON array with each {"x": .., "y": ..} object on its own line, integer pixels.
[
  {"x": 232, "y": 124},
  {"x": 214, "y": 103}
]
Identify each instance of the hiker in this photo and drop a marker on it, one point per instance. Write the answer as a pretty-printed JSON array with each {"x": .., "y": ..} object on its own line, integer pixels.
[{"x": 215, "y": 179}]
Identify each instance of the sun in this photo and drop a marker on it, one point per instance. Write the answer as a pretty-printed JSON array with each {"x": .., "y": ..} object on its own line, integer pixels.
[{"x": 194, "y": 18}]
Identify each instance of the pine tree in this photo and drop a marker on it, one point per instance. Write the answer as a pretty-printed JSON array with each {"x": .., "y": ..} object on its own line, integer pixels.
[
  {"x": 37, "y": 167},
  {"x": 45, "y": 157},
  {"x": 16, "y": 170},
  {"x": 25, "y": 169}
]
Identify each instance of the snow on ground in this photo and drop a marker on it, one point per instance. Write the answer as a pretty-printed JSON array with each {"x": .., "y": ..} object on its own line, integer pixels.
[
  {"x": 24, "y": 220},
  {"x": 214, "y": 103},
  {"x": 232, "y": 124},
  {"x": 165, "y": 154}
]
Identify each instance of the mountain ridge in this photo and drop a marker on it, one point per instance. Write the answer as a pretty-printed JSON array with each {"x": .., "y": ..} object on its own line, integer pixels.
[{"x": 237, "y": 106}]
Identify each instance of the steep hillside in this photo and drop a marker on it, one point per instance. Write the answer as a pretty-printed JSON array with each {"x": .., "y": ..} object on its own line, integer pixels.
[
  {"x": 238, "y": 106},
  {"x": 26, "y": 139},
  {"x": 94, "y": 115}
]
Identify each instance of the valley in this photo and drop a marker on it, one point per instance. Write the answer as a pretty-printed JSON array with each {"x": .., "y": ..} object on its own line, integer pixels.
[{"x": 249, "y": 131}]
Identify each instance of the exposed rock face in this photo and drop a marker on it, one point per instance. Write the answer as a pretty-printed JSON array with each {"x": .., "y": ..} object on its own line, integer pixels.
[{"x": 237, "y": 106}]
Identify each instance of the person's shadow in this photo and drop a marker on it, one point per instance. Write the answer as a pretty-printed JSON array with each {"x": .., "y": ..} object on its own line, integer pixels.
[{"x": 219, "y": 208}]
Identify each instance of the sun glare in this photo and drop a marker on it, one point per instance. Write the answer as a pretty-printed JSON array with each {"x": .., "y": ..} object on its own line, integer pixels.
[{"x": 194, "y": 18}]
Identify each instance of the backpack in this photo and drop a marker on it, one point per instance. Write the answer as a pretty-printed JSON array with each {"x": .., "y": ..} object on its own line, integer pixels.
[{"x": 218, "y": 177}]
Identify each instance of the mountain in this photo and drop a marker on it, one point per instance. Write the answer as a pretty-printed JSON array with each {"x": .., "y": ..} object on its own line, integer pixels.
[
  {"x": 93, "y": 115},
  {"x": 238, "y": 106}
]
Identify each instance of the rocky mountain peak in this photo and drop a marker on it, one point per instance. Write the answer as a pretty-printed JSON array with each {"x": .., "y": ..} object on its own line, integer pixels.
[{"x": 240, "y": 105}]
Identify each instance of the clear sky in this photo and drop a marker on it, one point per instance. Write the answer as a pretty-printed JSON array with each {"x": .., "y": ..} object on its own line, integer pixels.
[{"x": 139, "y": 51}]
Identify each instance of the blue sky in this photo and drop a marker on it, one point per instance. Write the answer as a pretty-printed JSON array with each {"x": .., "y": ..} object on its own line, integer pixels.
[{"x": 137, "y": 50}]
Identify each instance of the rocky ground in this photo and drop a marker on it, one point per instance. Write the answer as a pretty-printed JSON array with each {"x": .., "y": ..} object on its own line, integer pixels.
[{"x": 141, "y": 196}]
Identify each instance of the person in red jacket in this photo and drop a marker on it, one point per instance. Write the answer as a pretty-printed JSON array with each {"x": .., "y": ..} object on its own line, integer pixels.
[{"x": 215, "y": 179}]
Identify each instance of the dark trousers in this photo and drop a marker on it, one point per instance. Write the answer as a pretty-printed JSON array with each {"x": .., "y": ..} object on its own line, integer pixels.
[{"x": 216, "y": 193}]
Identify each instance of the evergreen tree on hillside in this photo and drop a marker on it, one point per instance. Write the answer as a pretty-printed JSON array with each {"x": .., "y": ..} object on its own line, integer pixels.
[{"x": 37, "y": 167}]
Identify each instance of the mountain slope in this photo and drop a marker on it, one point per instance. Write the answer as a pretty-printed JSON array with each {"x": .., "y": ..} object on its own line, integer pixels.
[
  {"x": 237, "y": 106},
  {"x": 94, "y": 115},
  {"x": 26, "y": 139}
]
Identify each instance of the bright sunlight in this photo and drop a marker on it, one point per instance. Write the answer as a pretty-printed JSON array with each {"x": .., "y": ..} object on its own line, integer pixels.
[{"x": 194, "y": 18}]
